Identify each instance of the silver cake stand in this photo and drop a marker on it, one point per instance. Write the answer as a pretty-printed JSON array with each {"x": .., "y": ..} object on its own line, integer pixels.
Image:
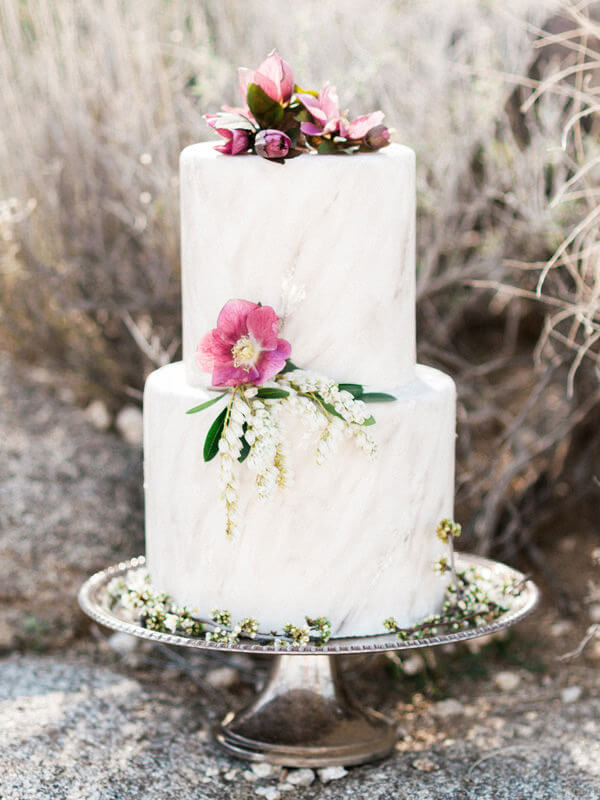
[{"x": 305, "y": 716}]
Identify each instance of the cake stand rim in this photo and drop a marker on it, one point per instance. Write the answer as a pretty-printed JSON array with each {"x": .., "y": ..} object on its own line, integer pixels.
[{"x": 375, "y": 643}]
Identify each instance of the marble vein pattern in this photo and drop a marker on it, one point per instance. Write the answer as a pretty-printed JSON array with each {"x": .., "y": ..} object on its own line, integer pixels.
[
  {"x": 328, "y": 241},
  {"x": 351, "y": 539}
]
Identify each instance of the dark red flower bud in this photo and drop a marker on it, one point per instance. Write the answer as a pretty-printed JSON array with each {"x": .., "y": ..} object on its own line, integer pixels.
[
  {"x": 272, "y": 143},
  {"x": 377, "y": 137}
]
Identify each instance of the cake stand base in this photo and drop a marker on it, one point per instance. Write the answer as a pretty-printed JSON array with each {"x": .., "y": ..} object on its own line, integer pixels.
[{"x": 305, "y": 717}]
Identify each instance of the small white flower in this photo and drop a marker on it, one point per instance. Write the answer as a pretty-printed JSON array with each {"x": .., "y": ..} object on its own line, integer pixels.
[{"x": 171, "y": 622}]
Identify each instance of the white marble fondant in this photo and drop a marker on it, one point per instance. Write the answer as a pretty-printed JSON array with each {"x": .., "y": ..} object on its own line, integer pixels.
[
  {"x": 351, "y": 540},
  {"x": 328, "y": 241}
]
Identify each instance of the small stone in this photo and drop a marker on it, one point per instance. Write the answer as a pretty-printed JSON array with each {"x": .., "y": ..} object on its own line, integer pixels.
[
  {"x": 525, "y": 731},
  {"x": 571, "y": 694},
  {"x": 97, "y": 415},
  {"x": 301, "y": 777},
  {"x": 262, "y": 769},
  {"x": 7, "y": 636},
  {"x": 568, "y": 544},
  {"x": 413, "y": 665},
  {"x": 223, "y": 678},
  {"x": 475, "y": 645},
  {"x": 230, "y": 775},
  {"x": 285, "y": 787},
  {"x": 450, "y": 647},
  {"x": 331, "y": 773},
  {"x": 424, "y": 765},
  {"x": 268, "y": 792},
  {"x": 447, "y": 708},
  {"x": 594, "y": 650},
  {"x": 594, "y": 612},
  {"x": 66, "y": 395},
  {"x": 123, "y": 643},
  {"x": 202, "y": 735},
  {"x": 247, "y": 775},
  {"x": 561, "y": 628},
  {"x": 507, "y": 681},
  {"x": 129, "y": 424}
]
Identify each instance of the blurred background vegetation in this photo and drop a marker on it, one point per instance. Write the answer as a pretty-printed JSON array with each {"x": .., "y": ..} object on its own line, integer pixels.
[{"x": 500, "y": 102}]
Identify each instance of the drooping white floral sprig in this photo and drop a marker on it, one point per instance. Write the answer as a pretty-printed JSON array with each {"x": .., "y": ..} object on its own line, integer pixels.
[{"x": 250, "y": 363}]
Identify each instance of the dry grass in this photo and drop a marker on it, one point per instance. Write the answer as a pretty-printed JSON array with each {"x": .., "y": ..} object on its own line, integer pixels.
[{"x": 100, "y": 95}]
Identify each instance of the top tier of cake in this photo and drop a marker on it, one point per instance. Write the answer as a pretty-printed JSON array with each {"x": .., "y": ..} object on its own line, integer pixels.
[{"x": 328, "y": 241}]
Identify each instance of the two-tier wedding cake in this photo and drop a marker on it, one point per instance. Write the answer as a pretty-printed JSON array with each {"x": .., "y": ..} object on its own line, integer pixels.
[{"x": 321, "y": 251}]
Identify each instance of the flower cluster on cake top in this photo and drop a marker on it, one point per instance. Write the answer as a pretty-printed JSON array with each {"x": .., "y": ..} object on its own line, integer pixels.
[{"x": 280, "y": 120}]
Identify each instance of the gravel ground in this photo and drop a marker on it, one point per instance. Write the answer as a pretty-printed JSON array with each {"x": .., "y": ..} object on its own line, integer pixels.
[
  {"x": 70, "y": 503},
  {"x": 85, "y": 715},
  {"x": 79, "y": 728}
]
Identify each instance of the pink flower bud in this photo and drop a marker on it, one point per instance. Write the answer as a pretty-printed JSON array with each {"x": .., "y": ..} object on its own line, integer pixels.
[
  {"x": 377, "y": 137},
  {"x": 272, "y": 143},
  {"x": 236, "y": 141}
]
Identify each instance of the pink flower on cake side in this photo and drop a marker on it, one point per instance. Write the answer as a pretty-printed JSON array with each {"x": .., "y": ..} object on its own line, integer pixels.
[
  {"x": 244, "y": 347},
  {"x": 236, "y": 141},
  {"x": 274, "y": 76},
  {"x": 327, "y": 119}
]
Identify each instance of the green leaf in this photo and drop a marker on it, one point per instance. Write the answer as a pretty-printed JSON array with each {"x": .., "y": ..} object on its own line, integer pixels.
[
  {"x": 355, "y": 389},
  {"x": 302, "y": 115},
  {"x": 245, "y": 451},
  {"x": 326, "y": 148},
  {"x": 289, "y": 367},
  {"x": 267, "y": 393},
  {"x": 232, "y": 122},
  {"x": 267, "y": 112},
  {"x": 378, "y": 397},
  {"x": 328, "y": 407},
  {"x": 369, "y": 421},
  {"x": 208, "y": 403},
  {"x": 211, "y": 443}
]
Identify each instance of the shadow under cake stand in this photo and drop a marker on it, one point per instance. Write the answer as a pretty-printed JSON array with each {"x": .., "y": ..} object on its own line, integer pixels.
[{"x": 304, "y": 716}]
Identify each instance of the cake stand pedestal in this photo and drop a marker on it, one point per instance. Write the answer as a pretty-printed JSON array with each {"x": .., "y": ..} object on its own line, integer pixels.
[{"x": 305, "y": 716}]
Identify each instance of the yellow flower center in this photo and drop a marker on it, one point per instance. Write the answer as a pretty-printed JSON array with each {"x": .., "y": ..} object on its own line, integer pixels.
[{"x": 245, "y": 353}]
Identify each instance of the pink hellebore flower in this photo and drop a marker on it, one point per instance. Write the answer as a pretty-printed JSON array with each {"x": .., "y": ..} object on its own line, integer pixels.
[
  {"x": 244, "y": 347},
  {"x": 274, "y": 76},
  {"x": 237, "y": 141},
  {"x": 325, "y": 112}
]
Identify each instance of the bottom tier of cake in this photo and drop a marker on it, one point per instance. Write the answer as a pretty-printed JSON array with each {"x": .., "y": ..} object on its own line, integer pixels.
[{"x": 351, "y": 540}]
